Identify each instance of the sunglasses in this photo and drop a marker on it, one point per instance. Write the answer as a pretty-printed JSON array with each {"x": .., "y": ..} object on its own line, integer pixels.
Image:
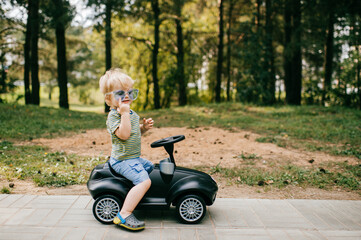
[{"x": 120, "y": 94}]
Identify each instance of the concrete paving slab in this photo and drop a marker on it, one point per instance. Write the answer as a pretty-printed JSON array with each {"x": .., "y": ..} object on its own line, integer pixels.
[
  {"x": 9, "y": 199},
  {"x": 56, "y": 233},
  {"x": 6, "y": 213},
  {"x": 81, "y": 202},
  {"x": 96, "y": 233},
  {"x": 19, "y": 217},
  {"x": 36, "y": 218},
  {"x": 76, "y": 233},
  {"x": 22, "y": 232},
  {"x": 70, "y": 217},
  {"x": 22, "y": 201},
  {"x": 188, "y": 234}
]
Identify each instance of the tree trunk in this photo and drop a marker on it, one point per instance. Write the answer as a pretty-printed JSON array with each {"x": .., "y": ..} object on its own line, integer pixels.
[
  {"x": 156, "y": 12},
  {"x": 27, "y": 55},
  {"x": 145, "y": 105},
  {"x": 220, "y": 54},
  {"x": 229, "y": 52},
  {"x": 294, "y": 83},
  {"x": 270, "y": 86},
  {"x": 258, "y": 21},
  {"x": 358, "y": 77},
  {"x": 3, "y": 76},
  {"x": 146, "y": 68},
  {"x": 182, "y": 93},
  {"x": 35, "y": 86},
  {"x": 296, "y": 56},
  {"x": 287, "y": 64},
  {"x": 328, "y": 58},
  {"x": 61, "y": 56},
  {"x": 62, "y": 74},
  {"x": 108, "y": 41}
]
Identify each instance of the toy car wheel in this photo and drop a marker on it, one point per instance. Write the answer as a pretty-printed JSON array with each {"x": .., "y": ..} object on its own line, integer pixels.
[
  {"x": 106, "y": 207},
  {"x": 191, "y": 209}
]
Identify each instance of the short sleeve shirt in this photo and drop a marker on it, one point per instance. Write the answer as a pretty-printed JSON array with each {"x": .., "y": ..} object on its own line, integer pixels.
[{"x": 124, "y": 149}]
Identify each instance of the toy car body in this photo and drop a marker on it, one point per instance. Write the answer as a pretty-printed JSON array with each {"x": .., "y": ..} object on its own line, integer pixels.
[{"x": 189, "y": 190}]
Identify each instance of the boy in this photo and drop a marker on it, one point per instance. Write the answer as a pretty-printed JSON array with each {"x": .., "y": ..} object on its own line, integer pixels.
[{"x": 125, "y": 130}]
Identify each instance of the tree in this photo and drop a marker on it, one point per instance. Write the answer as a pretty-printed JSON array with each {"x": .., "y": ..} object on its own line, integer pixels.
[
  {"x": 34, "y": 59},
  {"x": 110, "y": 7},
  {"x": 293, "y": 56},
  {"x": 60, "y": 14},
  {"x": 150, "y": 14},
  {"x": 157, "y": 22},
  {"x": 353, "y": 12},
  {"x": 10, "y": 49},
  {"x": 229, "y": 45},
  {"x": 108, "y": 34},
  {"x": 269, "y": 80},
  {"x": 31, "y": 56},
  {"x": 328, "y": 55},
  {"x": 62, "y": 17},
  {"x": 180, "y": 77},
  {"x": 220, "y": 53},
  {"x": 27, "y": 55}
]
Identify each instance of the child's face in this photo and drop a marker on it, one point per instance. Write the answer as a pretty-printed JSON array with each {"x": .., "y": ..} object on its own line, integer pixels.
[{"x": 124, "y": 95}]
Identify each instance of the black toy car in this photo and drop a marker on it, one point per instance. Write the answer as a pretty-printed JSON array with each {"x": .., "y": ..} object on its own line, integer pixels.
[{"x": 189, "y": 190}]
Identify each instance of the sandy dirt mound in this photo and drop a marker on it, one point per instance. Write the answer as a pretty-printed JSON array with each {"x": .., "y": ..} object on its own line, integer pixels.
[{"x": 202, "y": 147}]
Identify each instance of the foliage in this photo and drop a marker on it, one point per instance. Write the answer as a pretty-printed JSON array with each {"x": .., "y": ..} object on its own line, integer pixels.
[
  {"x": 10, "y": 50},
  {"x": 133, "y": 41},
  {"x": 5, "y": 190}
]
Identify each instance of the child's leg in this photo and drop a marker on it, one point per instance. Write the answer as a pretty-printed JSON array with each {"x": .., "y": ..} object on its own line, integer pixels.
[
  {"x": 133, "y": 198},
  {"x": 133, "y": 170},
  {"x": 148, "y": 165}
]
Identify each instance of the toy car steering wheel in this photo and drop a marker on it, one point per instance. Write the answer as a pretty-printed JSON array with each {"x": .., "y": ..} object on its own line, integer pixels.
[
  {"x": 168, "y": 144},
  {"x": 166, "y": 141}
]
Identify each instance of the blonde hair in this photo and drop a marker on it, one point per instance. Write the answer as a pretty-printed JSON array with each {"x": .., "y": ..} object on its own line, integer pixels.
[{"x": 113, "y": 78}]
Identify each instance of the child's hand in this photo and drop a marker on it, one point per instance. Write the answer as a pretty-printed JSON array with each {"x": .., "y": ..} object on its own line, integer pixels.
[
  {"x": 147, "y": 123},
  {"x": 123, "y": 108}
]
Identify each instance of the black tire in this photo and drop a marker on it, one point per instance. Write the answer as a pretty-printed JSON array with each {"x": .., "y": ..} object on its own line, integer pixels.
[
  {"x": 106, "y": 207},
  {"x": 191, "y": 209}
]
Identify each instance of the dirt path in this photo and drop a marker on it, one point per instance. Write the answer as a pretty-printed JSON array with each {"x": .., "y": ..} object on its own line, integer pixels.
[{"x": 202, "y": 147}]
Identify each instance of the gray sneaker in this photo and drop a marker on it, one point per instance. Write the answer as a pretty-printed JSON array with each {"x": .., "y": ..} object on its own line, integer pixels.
[{"x": 130, "y": 222}]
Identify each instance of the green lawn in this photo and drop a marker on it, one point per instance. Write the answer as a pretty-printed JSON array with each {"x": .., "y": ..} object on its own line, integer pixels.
[
  {"x": 334, "y": 130},
  {"x": 19, "y": 122}
]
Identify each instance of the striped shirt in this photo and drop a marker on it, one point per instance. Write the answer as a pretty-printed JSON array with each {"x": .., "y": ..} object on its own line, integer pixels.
[{"x": 124, "y": 149}]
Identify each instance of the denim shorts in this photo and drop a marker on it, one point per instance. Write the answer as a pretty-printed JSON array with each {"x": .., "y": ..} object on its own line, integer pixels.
[{"x": 136, "y": 170}]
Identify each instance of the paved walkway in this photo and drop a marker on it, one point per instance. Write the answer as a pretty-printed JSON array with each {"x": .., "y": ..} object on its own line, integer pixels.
[{"x": 70, "y": 217}]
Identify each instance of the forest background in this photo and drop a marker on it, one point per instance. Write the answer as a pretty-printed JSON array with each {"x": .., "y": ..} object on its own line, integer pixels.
[{"x": 182, "y": 52}]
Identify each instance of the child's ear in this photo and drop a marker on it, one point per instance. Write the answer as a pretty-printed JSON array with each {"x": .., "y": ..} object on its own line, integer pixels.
[{"x": 108, "y": 99}]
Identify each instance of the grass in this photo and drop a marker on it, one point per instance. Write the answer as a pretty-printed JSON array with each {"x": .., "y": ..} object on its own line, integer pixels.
[
  {"x": 331, "y": 175},
  {"x": 44, "y": 168},
  {"x": 95, "y": 100},
  {"x": 5, "y": 190},
  {"x": 19, "y": 122},
  {"x": 333, "y": 130}
]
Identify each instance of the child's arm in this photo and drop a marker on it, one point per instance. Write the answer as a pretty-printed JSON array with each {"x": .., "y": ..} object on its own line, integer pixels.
[
  {"x": 147, "y": 124},
  {"x": 124, "y": 129}
]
